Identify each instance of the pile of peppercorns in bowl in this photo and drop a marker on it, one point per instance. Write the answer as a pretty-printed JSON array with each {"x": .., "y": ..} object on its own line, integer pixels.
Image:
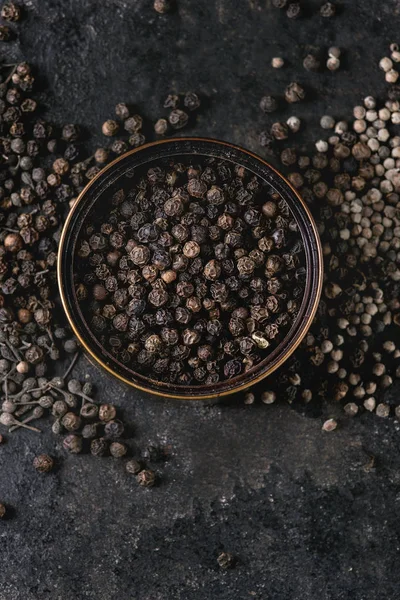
[{"x": 191, "y": 273}]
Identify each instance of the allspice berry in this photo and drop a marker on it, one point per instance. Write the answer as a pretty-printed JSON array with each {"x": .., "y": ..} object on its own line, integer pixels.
[
  {"x": 110, "y": 127},
  {"x": 3, "y": 511},
  {"x": 43, "y": 463}
]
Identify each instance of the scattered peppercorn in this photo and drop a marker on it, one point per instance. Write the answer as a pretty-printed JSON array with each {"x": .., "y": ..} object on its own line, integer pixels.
[
  {"x": 311, "y": 63},
  {"x": 5, "y": 33},
  {"x": 110, "y": 128},
  {"x": 43, "y": 463},
  {"x": 163, "y": 6},
  {"x": 294, "y": 10},
  {"x": 178, "y": 118},
  {"x": 268, "y": 104},
  {"x": 73, "y": 443},
  {"x": 11, "y": 12},
  {"x": 294, "y": 93},
  {"x": 191, "y": 101},
  {"x": 118, "y": 450},
  {"x": 226, "y": 560},
  {"x": 328, "y": 10},
  {"x": 161, "y": 127},
  {"x": 107, "y": 412},
  {"x": 99, "y": 447},
  {"x": 133, "y": 467},
  {"x": 146, "y": 478}
]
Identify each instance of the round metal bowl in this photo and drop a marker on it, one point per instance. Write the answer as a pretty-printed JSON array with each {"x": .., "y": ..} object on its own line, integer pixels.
[{"x": 100, "y": 190}]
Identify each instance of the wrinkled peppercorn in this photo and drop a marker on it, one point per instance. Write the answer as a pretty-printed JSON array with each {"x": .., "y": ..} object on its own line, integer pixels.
[
  {"x": 146, "y": 478},
  {"x": 178, "y": 118},
  {"x": 43, "y": 463},
  {"x": 99, "y": 447},
  {"x": 226, "y": 560},
  {"x": 73, "y": 443},
  {"x": 133, "y": 467}
]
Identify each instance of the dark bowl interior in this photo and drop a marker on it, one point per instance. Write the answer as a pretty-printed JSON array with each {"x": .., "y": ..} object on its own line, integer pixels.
[{"x": 100, "y": 191}]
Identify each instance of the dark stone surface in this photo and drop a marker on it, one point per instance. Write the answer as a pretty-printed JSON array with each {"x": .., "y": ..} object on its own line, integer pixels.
[{"x": 301, "y": 509}]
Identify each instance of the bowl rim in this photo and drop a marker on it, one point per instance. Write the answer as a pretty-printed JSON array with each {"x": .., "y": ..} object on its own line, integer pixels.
[{"x": 165, "y": 393}]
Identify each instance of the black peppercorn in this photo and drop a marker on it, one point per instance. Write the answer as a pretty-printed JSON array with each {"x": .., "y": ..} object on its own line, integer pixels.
[
  {"x": 294, "y": 93},
  {"x": 163, "y": 6},
  {"x": 268, "y": 104},
  {"x": 178, "y": 118},
  {"x": 191, "y": 101},
  {"x": 280, "y": 131},
  {"x": 311, "y": 63},
  {"x": 117, "y": 449},
  {"x": 43, "y": 463},
  {"x": 226, "y": 560},
  {"x": 114, "y": 429},
  {"x": 146, "y": 478},
  {"x": 107, "y": 412},
  {"x": 73, "y": 443},
  {"x": 328, "y": 10},
  {"x": 133, "y": 467},
  {"x": 71, "y": 421},
  {"x": 5, "y": 33},
  {"x": 11, "y": 12},
  {"x": 89, "y": 411},
  {"x": 90, "y": 431},
  {"x": 294, "y": 10},
  {"x": 110, "y": 128},
  {"x": 99, "y": 447}
]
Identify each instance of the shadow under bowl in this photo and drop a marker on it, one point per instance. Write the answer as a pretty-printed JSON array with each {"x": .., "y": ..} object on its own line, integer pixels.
[{"x": 100, "y": 190}]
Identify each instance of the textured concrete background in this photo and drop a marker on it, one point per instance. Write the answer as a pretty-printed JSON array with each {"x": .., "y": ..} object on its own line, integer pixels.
[{"x": 302, "y": 510}]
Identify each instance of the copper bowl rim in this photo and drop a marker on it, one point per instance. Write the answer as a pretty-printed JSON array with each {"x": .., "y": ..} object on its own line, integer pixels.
[{"x": 257, "y": 377}]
